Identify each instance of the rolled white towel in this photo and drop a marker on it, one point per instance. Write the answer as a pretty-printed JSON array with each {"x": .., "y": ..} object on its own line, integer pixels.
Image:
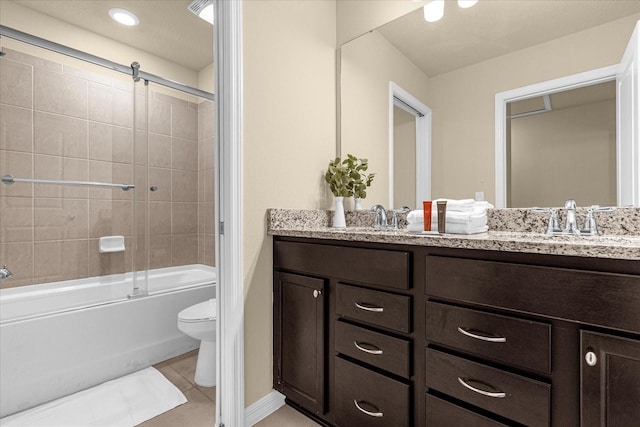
[{"x": 462, "y": 205}]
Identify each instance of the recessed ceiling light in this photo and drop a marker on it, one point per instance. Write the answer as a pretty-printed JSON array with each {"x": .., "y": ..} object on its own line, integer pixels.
[
  {"x": 465, "y": 4},
  {"x": 124, "y": 17},
  {"x": 202, "y": 8},
  {"x": 434, "y": 10}
]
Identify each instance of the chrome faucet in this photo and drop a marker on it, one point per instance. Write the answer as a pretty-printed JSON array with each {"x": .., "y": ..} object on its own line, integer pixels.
[
  {"x": 571, "y": 222},
  {"x": 381, "y": 219},
  {"x": 5, "y": 273}
]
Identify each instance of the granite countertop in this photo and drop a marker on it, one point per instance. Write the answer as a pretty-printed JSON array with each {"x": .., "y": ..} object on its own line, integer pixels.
[{"x": 316, "y": 224}]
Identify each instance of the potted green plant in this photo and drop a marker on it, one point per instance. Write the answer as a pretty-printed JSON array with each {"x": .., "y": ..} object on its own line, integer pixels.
[{"x": 359, "y": 180}]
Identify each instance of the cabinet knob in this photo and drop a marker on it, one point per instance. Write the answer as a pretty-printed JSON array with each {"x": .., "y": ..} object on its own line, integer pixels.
[
  {"x": 316, "y": 293},
  {"x": 591, "y": 358}
]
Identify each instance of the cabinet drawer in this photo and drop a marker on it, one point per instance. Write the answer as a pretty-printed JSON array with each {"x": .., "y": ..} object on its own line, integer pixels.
[
  {"x": 547, "y": 291},
  {"x": 506, "y": 339},
  {"x": 440, "y": 413},
  {"x": 367, "y": 399},
  {"x": 513, "y": 396},
  {"x": 371, "y": 266},
  {"x": 375, "y": 307},
  {"x": 386, "y": 352}
]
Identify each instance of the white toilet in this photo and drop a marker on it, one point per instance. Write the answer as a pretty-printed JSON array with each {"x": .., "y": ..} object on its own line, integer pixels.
[{"x": 199, "y": 322}]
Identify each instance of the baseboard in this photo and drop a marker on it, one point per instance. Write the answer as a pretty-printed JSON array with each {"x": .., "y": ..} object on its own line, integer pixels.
[{"x": 263, "y": 408}]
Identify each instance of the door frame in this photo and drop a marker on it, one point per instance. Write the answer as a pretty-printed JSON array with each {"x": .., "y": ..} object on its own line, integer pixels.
[
  {"x": 423, "y": 141},
  {"x": 574, "y": 81},
  {"x": 230, "y": 410}
]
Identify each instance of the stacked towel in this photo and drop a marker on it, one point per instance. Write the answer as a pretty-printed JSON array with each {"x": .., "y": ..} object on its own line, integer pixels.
[{"x": 463, "y": 217}]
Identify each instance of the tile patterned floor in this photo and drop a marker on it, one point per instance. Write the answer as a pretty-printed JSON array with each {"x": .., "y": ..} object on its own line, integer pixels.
[
  {"x": 199, "y": 411},
  {"x": 286, "y": 417}
]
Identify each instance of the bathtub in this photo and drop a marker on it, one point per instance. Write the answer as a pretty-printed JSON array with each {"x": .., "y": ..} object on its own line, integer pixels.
[{"x": 59, "y": 338}]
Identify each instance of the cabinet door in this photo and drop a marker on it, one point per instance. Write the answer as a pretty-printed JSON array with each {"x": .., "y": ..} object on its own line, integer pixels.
[
  {"x": 299, "y": 339},
  {"x": 610, "y": 380}
]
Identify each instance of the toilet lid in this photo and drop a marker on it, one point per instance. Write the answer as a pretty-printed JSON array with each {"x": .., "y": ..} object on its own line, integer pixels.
[{"x": 199, "y": 312}]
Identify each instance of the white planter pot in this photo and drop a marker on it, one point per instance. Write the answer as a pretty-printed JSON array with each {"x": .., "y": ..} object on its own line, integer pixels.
[{"x": 338, "y": 214}]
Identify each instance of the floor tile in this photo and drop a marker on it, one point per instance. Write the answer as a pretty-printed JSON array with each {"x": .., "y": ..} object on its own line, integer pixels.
[{"x": 286, "y": 416}]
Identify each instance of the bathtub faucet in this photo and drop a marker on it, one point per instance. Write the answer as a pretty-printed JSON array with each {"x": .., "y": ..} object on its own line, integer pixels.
[{"x": 5, "y": 273}]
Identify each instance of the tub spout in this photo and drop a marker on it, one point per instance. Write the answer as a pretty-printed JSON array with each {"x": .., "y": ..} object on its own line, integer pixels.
[{"x": 5, "y": 273}]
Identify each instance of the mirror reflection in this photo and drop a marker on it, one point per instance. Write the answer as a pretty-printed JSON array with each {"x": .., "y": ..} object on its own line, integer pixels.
[
  {"x": 559, "y": 141},
  {"x": 456, "y": 66}
]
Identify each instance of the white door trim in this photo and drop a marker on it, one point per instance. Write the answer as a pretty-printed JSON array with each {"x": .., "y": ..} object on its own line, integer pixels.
[
  {"x": 573, "y": 81},
  {"x": 230, "y": 409},
  {"x": 423, "y": 143}
]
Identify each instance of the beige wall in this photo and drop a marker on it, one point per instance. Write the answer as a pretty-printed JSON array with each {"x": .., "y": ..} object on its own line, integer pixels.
[
  {"x": 20, "y": 18},
  {"x": 463, "y": 101},
  {"x": 289, "y": 137},
  {"x": 367, "y": 66},
  {"x": 356, "y": 17},
  {"x": 562, "y": 154}
]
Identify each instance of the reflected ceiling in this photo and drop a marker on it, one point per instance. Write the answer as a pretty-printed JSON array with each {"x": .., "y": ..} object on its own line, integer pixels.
[{"x": 493, "y": 28}]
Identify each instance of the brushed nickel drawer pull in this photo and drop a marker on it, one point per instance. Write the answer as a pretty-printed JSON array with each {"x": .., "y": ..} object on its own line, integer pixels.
[
  {"x": 481, "y": 337},
  {"x": 366, "y": 350},
  {"x": 498, "y": 394},
  {"x": 367, "y": 308},
  {"x": 371, "y": 414}
]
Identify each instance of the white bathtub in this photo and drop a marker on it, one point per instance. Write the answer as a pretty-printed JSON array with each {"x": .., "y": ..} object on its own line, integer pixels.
[{"x": 59, "y": 338}]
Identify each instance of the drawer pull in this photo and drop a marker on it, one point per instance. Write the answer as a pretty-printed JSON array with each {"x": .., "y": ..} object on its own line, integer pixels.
[
  {"x": 369, "y": 307},
  {"x": 371, "y": 414},
  {"x": 377, "y": 350},
  {"x": 498, "y": 394},
  {"x": 481, "y": 337}
]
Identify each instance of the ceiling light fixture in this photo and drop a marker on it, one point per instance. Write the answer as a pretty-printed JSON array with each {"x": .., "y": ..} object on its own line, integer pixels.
[
  {"x": 434, "y": 10},
  {"x": 202, "y": 8},
  {"x": 124, "y": 17},
  {"x": 465, "y": 4}
]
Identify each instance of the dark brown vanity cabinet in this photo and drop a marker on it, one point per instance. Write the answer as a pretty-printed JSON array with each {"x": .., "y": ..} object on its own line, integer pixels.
[
  {"x": 610, "y": 380},
  {"x": 299, "y": 332},
  {"x": 510, "y": 340},
  {"x": 346, "y": 357},
  {"x": 369, "y": 334}
]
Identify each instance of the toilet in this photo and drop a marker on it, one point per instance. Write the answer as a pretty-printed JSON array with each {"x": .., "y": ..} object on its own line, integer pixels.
[{"x": 199, "y": 322}]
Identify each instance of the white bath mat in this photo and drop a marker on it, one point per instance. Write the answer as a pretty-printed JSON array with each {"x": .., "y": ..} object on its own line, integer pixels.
[{"x": 123, "y": 402}]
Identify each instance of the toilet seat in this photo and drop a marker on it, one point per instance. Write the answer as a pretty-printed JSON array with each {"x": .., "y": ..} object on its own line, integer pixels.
[{"x": 201, "y": 312}]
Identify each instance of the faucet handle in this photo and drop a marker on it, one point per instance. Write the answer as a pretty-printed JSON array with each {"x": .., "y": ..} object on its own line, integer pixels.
[
  {"x": 590, "y": 223},
  {"x": 395, "y": 212},
  {"x": 554, "y": 224}
]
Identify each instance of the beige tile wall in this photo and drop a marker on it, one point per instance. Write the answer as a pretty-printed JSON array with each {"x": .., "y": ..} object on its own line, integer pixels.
[{"x": 61, "y": 122}]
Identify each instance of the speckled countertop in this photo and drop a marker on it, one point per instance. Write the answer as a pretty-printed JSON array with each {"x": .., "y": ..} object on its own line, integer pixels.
[{"x": 510, "y": 230}]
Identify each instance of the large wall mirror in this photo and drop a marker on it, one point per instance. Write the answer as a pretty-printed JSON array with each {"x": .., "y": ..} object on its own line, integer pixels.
[{"x": 456, "y": 66}]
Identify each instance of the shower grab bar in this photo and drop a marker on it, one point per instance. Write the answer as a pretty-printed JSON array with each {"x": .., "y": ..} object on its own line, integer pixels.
[{"x": 8, "y": 179}]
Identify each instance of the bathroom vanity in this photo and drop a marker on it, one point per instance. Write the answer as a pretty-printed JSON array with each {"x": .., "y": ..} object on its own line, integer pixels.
[{"x": 383, "y": 328}]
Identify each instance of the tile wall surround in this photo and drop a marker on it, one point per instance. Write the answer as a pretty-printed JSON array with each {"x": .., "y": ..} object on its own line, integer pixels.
[{"x": 50, "y": 232}]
